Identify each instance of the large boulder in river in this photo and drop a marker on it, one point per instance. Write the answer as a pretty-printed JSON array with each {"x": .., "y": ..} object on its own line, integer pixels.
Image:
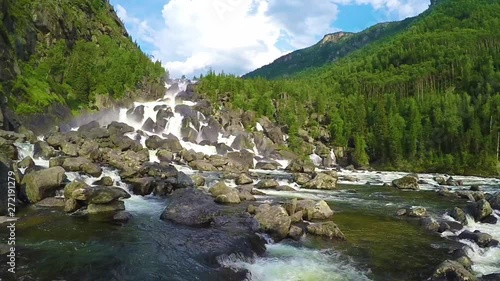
[
  {"x": 220, "y": 188},
  {"x": 142, "y": 186},
  {"x": 136, "y": 114},
  {"x": 312, "y": 210},
  {"x": 273, "y": 220},
  {"x": 299, "y": 166},
  {"x": 459, "y": 215},
  {"x": 99, "y": 194},
  {"x": 202, "y": 165},
  {"x": 243, "y": 179},
  {"x": 43, "y": 150},
  {"x": 267, "y": 184},
  {"x": 41, "y": 184},
  {"x": 321, "y": 181},
  {"x": 111, "y": 207},
  {"x": 80, "y": 164},
  {"x": 406, "y": 182},
  {"x": 452, "y": 270},
  {"x": 481, "y": 239},
  {"x": 190, "y": 206},
  {"x": 480, "y": 209},
  {"x": 328, "y": 229},
  {"x": 494, "y": 201},
  {"x": 232, "y": 197}
]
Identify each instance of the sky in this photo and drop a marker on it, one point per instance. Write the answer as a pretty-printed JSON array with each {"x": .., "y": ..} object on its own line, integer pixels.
[{"x": 190, "y": 37}]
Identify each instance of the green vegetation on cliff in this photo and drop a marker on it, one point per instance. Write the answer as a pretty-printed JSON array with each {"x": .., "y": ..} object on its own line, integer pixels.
[
  {"x": 74, "y": 53},
  {"x": 425, "y": 98}
]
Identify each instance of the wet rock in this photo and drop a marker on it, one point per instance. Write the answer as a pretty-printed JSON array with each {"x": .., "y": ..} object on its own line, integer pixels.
[
  {"x": 99, "y": 194},
  {"x": 285, "y": 188},
  {"x": 72, "y": 186},
  {"x": 267, "y": 184},
  {"x": 80, "y": 164},
  {"x": 407, "y": 183},
  {"x": 299, "y": 166},
  {"x": 89, "y": 149},
  {"x": 481, "y": 239},
  {"x": 56, "y": 140},
  {"x": 491, "y": 219},
  {"x": 69, "y": 149},
  {"x": 154, "y": 142},
  {"x": 105, "y": 181},
  {"x": 475, "y": 187},
  {"x": 43, "y": 150},
  {"x": 490, "y": 277},
  {"x": 246, "y": 196},
  {"x": 267, "y": 166},
  {"x": 452, "y": 270},
  {"x": 480, "y": 209},
  {"x": 297, "y": 217},
  {"x": 165, "y": 155},
  {"x": 119, "y": 128},
  {"x": 451, "y": 182},
  {"x": 301, "y": 178},
  {"x": 136, "y": 114},
  {"x": 314, "y": 210},
  {"x": 242, "y": 141},
  {"x": 142, "y": 186},
  {"x": 401, "y": 212},
  {"x": 218, "y": 161},
  {"x": 222, "y": 148},
  {"x": 240, "y": 161},
  {"x": 43, "y": 183},
  {"x": 251, "y": 209},
  {"x": 430, "y": 224},
  {"x": 27, "y": 163},
  {"x": 321, "y": 181},
  {"x": 295, "y": 232},
  {"x": 273, "y": 220},
  {"x": 471, "y": 195},
  {"x": 459, "y": 215},
  {"x": 122, "y": 217},
  {"x": 202, "y": 165},
  {"x": 51, "y": 202},
  {"x": 114, "y": 206},
  {"x": 232, "y": 197},
  {"x": 328, "y": 229},
  {"x": 190, "y": 206},
  {"x": 291, "y": 206},
  {"x": 71, "y": 205},
  {"x": 440, "y": 180},
  {"x": 243, "y": 179},
  {"x": 416, "y": 212},
  {"x": 220, "y": 188},
  {"x": 495, "y": 201},
  {"x": 198, "y": 180}
]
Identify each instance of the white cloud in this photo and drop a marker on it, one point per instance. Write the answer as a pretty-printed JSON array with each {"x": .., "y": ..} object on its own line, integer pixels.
[{"x": 238, "y": 36}]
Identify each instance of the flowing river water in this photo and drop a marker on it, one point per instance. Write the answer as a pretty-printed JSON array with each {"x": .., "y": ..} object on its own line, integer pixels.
[{"x": 379, "y": 245}]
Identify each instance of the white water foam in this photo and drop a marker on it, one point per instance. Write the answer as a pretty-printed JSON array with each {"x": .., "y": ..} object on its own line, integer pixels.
[{"x": 287, "y": 263}]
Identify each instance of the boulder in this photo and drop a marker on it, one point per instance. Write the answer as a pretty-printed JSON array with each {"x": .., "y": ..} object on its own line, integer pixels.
[
  {"x": 27, "y": 163},
  {"x": 190, "y": 206},
  {"x": 114, "y": 206},
  {"x": 314, "y": 210},
  {"x": 232, "y": 197},
  {"x": 301, "y": 178},
  {"x": 149, "y": 125},
  {"x": 81, "y": 164},
  {"x": 416, "y": 211},
  {"x": 267, "y": 184},
  {"x": 451, "y": 182},
  {"x": 266, "y": 166},
  {"x": 452, "y": 270},
  {"x": 218, "y": 161},
  {"x": 458, "y": 215},
  {"x": 246, "y": 196},
  {"x": 136, "y": 114},
  {"x": 43, "y": 183},
  {"x": 295, "y": 232},
  {"x": 285, "y": 188},
  {"x": 321, "y": 181},
  {"x": 71, "y": 205},
  {"x": 106, "y": 181},
  {"x": 430, "y": 224},
  {"x": 494, "y": 201},
  {"x": 89, "y": 149},
  {"x": 481, "y": 239},
  {"x": 165, "y": 155},
  {"x": 72, "y": 186},
  {"x": 243, "y": 179},
  {"x": 440, "y": 180},
  {"x": 69, "y": 149},
  {"x": 273, "y": 220},
  {"x": 480, "y": 209},
  {"x": 202, "y": 165},
  {"x": 99, "y": 194},
  {"x": 51, "y": 202},
  {"x": 299, "y": 166},
  {"x": 291, "y": 206},
  {"x": 406, "y": 183},
  {"x": 198, "y": 180},
  {"x": 220, "y": 188},
  {"x": 328, "y": 229},
  {"x": 142, "y": 186},
  {"x": 297, "y": 217},
  {"x": 43, "y": 150},
  {"x": 122, "y": 217},
  {"x": 119, "y": 128}
]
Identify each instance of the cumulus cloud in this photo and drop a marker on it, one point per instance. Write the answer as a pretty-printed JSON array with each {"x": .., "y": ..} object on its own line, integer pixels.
[{"x": 238, "y": 36}]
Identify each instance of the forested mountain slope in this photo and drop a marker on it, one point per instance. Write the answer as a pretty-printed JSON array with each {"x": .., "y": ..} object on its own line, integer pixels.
[
  {"x": 332, "y": 47},
  {"x": 70, "y": 54},
  {"x": 425, "y": 99}
]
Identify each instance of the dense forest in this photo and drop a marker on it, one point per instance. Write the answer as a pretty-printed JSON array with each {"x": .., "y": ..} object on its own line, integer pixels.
[
  {"x": 424, "y": 99},
  {"x": 74, "y": 53}
]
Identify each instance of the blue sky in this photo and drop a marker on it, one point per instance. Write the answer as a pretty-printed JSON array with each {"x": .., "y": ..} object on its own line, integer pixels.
[{"x": 191, "y": 36}]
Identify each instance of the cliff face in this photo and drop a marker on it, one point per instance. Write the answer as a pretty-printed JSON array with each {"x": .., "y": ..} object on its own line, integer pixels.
[{"x": 63, "y": 56}]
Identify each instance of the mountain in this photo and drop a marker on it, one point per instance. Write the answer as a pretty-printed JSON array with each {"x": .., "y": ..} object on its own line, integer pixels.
[
  {"x": 332, "y": 47},
  {"x": 67, "y": 56},
  {"x": 426, "y": 98}
]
